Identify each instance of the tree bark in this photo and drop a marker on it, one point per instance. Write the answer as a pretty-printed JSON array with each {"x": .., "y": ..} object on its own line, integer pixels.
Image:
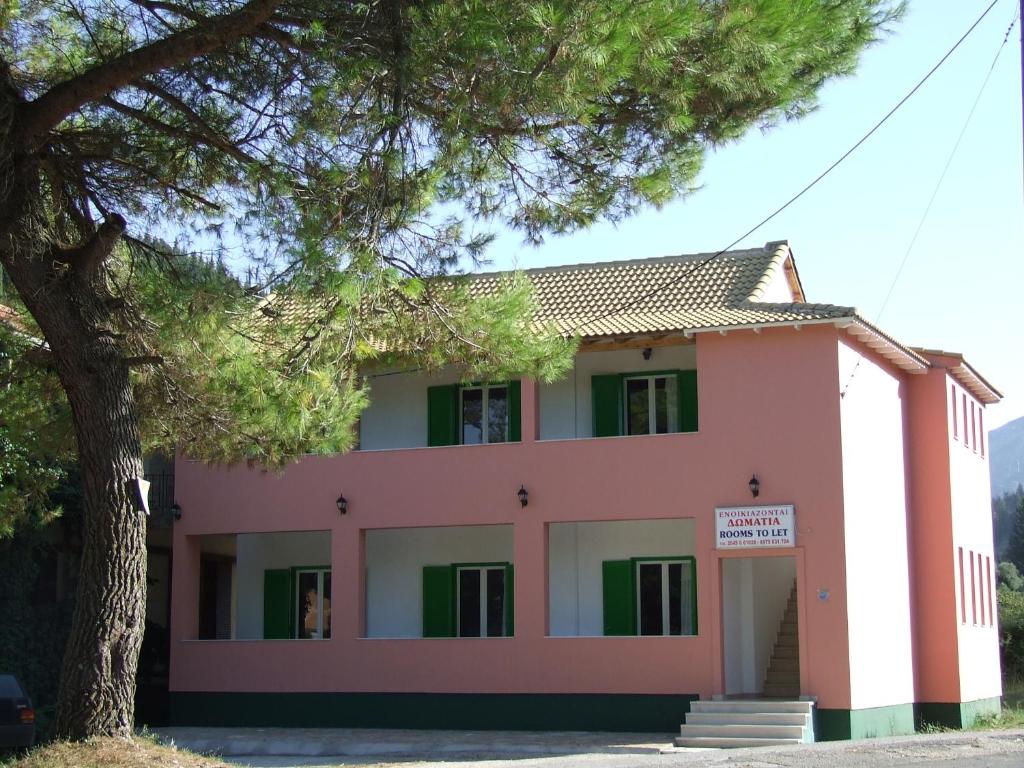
[{"x": 97, "y": 685}]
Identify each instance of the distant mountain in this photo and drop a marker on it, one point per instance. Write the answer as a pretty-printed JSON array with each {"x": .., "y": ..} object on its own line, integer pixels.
[{"x": 1006, "y": 457}]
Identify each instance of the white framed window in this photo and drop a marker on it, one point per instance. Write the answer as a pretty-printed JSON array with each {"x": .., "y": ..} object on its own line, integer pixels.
[
  {"x": 665, "y": 600},
  {"x": 312, "y": 604},
  {"x": 480, "y": 601},
  {"x": 483, "y": 413},
  {"x": 652, "y": 404}
]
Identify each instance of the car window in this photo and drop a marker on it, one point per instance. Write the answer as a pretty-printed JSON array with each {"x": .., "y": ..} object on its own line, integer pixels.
[{"x": 9, "y": 687}]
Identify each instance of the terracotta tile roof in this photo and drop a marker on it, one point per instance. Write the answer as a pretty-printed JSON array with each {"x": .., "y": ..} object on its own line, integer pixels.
[
  {"x": 672, "y": 293},
  {"x": 684, "y": 294}
]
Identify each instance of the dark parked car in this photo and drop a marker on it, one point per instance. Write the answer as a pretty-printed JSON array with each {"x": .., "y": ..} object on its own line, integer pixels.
[{"x": 17, "y": 718}]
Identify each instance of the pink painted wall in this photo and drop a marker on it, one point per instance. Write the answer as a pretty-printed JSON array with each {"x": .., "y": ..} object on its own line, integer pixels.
[
  {"x": 957, "y": 660},
  {"x": 875, "y": 520},
  {"x": 768, "y": 405}
]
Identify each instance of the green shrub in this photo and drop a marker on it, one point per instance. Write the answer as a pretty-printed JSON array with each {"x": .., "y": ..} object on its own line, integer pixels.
[{"x": 1011, "y": 632}]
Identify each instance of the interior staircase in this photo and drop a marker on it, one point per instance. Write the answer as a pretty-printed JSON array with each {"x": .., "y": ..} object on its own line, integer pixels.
[
  {"x": 747, "y": 723},
  {"x": 777, "y": 718},
  {"x": 782, "y": 680}
]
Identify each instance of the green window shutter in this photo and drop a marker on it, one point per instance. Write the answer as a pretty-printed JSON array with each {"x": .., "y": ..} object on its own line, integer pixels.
[
  {"x": 618, "y": 586},
  {"x": 515, "y": 414},
  {"x": 442, "y": 415},
  {"x": 606, "y": 392},
  {"x": 438, "y": 601},
  {"x": 510, "y": 600},
  {"x": 277, "y": 601},
  {"x": 687, "y": 386}
]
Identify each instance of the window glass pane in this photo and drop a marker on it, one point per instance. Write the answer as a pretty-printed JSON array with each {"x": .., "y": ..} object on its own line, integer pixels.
[
  {"x": 469, "y": 602},
  {"x": 472, "y": 416},
  {"x": 326, "y": 607},
  {"x": 495, "y": 602},
  {"x": 666, "y": 404},
  {"x": 650, "y": 599},
  {"x": 686, "y": 596},
  {"x": 497, "y": 414},
  {"x": 309, "y": 605},
  {"x": 675, "y": 598},
  {"x": 637, "y": 407}
]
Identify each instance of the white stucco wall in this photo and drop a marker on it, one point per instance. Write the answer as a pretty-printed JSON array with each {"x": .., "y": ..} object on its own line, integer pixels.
[
  {"x": 566, "y": 409},
  {"x": 777, "y": 288},
  {"x": 754, "y": 596},
  {"x": 257, "y": 552},
  {"x": 875, "y": 528},
  {"x": 575, "y": 554},
  {"x": 394, "y": 569},
  {"x": 397, "y": 414}
]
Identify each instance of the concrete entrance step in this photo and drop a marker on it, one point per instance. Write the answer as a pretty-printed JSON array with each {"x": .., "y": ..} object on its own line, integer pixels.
[
  {"x": 726, "y": 742},
  {"x": 732, "y": 723},
  {"x": 746, "y": 718},
  {"x": 752, "y": 705}
]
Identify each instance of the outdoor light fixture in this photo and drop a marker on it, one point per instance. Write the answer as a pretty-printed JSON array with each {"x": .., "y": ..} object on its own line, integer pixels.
[
  {"x": 524, "y": 496},
  {"x": 647, "y": 353},
  {"x": 342, "y": 504},
  {"x": 755, "y": 486},
  {"x": 176, "y": 511}
]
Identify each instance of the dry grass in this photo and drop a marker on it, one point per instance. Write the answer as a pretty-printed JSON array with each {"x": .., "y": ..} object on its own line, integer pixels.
[{"x": 111, "y": 753}]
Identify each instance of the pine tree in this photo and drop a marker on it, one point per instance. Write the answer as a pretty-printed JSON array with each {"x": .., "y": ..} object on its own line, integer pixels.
[{"x": 351, "y": 151}]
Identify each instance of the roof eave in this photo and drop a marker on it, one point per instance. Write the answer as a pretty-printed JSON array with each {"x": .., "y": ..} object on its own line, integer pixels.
[{"x": 901, "y": 356}]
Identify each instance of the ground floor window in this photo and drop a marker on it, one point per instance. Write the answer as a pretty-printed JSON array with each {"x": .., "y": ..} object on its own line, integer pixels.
[
  {"x": 481, "y": 601},
  {"x": 650, "y": 596},
  {"x": 297, "y": 603},
  {"x": 468, "y": 600},
  {"x": 313, "y": 604}
]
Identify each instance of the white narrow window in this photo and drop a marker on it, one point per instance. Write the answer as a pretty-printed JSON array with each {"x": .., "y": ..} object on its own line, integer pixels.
[
  {"x": 652, "y": 405},
  {"x": 484, "y": 412},
  {"x": 313, "y": 604},
  {"x": 481, "y": 601},
  {"x": 665, "y": 597}
]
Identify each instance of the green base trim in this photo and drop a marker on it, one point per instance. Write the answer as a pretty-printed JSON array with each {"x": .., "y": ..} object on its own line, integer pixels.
[
  {"x": 955, "y": 715},
  {"x": 842, "y": 724},
  {"x": 477, "y": 711}
]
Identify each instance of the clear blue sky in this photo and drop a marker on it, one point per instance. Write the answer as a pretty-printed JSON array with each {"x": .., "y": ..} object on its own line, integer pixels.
[{"x": 961, "y": 287}]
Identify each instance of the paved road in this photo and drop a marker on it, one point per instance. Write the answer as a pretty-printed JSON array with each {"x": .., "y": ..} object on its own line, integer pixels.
[{"x": 1003, "y": 749}]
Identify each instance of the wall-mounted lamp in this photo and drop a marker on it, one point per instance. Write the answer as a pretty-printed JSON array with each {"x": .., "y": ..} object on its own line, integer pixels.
[
  {"x": 523, "y": 494},
  {"x": 647, "y": 353},
  {"x": 754, "y": 485},
  {"x": 342, "y": 504},
  {"x": 176, "y": 511}
]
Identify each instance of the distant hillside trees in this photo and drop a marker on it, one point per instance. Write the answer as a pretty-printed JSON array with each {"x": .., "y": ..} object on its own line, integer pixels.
[
  {"x": 1008, "y": 516},
  {"x": 1004, "y": 516}
]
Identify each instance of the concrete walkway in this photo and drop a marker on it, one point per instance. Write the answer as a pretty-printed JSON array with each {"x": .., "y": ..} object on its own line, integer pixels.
[{"x": 390, "y": 745}]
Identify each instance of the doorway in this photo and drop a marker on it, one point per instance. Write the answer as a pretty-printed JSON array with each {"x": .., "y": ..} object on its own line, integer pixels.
[{"x": 759, "y": 629}]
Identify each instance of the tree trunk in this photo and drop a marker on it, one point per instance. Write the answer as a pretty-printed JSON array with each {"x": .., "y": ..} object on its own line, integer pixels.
[{"x": 97, "y": 684}]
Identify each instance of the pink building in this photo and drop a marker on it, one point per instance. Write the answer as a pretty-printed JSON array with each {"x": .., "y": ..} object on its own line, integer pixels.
[{"x": 733, "y": 494}]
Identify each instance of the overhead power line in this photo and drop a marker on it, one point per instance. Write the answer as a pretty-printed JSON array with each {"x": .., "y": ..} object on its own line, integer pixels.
[
  {"x": 705, "y": 262},
  {"x": 945, "y": 169}
]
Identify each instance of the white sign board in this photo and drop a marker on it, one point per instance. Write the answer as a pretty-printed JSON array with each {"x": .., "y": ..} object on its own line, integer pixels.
[{"x": 755, "y": 527}]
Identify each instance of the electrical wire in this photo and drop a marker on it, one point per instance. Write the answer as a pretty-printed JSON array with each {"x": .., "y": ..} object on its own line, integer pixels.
[
  {"x": 705, "y": 262},
  {"x": 945, "y": 170},
  {"x": 938, "y": 186}
]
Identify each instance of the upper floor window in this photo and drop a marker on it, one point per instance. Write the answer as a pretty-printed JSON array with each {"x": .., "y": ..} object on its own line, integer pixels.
[
  {"x": 644, "y": 403},
  {"x": 484, "y": 412},
  {"x": 652, "y": 405},
  {"x": 474, "y": 414}
]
